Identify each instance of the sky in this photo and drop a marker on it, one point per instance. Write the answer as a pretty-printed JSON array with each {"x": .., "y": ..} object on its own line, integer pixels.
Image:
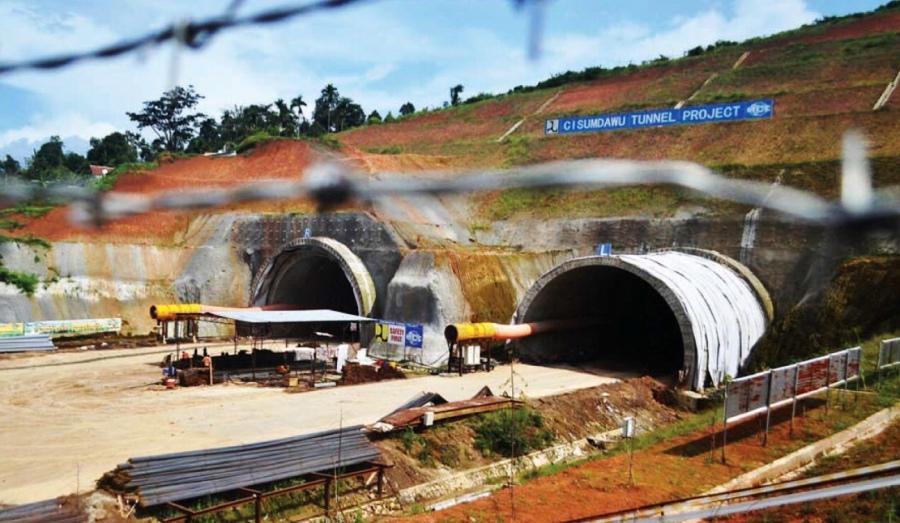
[{"x": 381, "y": 53}]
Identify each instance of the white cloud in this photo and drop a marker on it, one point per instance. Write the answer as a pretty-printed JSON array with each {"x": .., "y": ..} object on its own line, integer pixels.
[
  {"x": 67, "y": 125},
  {"x": 357, "y": 49},
  {"x": 630, "y": 42}
]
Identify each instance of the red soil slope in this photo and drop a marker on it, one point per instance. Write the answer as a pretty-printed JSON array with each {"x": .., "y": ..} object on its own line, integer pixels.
[{"x": 275, "y": 160}]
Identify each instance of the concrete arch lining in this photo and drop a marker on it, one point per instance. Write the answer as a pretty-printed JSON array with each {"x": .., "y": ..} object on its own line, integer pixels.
[
  {"x": 718, "y": 314},
  {"x": 273, "y": 273}
]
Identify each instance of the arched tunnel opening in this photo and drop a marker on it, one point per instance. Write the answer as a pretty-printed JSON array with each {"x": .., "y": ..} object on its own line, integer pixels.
[
  {"x": 313, "y": 280},
  {"x": 692, "y": 317},
  {"x": 315, "y": 273},
  {"x": 629, "y": 327}
]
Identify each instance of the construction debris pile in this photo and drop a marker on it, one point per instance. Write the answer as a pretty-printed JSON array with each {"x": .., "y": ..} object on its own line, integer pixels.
[
  {"x": 428, "y": 407},
  {"x": 186, "y": 475},
  {"x": 354, "y": 373}
]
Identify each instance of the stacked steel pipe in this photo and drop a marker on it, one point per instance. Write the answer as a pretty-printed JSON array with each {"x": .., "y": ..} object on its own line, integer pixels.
[
  {"x": 186, "y": 475},
  {"x": 48, "y": 511},
  {"x": 26, "y": 343}
]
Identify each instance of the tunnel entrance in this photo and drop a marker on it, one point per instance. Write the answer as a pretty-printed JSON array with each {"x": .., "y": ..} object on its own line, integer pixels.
[
  {"x": 316, "y": 273},
  {"x": 630, "y": 328},
  {"x": 312, "y": 280},
  {"x": 693, "y": 316}
]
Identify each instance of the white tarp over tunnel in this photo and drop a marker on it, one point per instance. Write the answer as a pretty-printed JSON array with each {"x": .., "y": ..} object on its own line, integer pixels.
[{"x": 724, "y": 311}]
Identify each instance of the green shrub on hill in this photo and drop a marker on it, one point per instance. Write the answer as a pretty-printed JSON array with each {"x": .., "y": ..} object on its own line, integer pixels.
[
  {"x": 511, "y": 432},
  {"x": 257, "y": 138},
  {"x": 107, "y": 182}
]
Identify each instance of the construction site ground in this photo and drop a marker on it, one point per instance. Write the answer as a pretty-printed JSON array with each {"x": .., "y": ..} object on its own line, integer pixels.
[
  {"x": 871, "y": 506},
  {"x": 448, "y": 448},
  {"x": 69, "y": 417},
  {"x": 679, "y": 465}
]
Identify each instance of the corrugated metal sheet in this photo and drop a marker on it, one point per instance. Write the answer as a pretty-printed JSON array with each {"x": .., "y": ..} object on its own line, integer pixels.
[
  {"x": 310, "y": 316},
  {"x": 186, "y": 475},
  {"x": 30, "y": 342},
  {"x": 453, "y": 409},
  {"x": 724, "y": 311}
]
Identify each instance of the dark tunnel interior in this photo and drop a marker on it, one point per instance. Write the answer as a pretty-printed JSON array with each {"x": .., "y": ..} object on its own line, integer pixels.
[
  {"x": 632, "y": 329},
  {"x": 310, "y": 279},
  {"x": 313, "y": 280}
]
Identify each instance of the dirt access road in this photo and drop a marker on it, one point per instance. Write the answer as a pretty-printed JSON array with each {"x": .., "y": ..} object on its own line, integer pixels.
[{"x": 68, "y": 421}]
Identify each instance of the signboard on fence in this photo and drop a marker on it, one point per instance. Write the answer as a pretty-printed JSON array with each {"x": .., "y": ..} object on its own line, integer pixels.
[
  {"x": 889, "y": 352},
  {"x": 783, "y": 379},
  {"x": 722, "y": 112},
  {"x": 813, "y": 375},
  {"x": 62, "y": 327},
  {"x": 400, "y": 334},
  {"x": 758, "y": 392},
  {"x": 747, "y": 394}
]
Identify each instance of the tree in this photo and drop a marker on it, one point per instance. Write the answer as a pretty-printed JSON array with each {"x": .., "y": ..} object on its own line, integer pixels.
[
  {"x": 407, "y": 109},
  {"x": 374, "y": 118},
  {"x": 208, "y": 137},
  {"x": 146, "y": 152},
  {"x": 170, "y": 117},
  {"x": 77, "y": 164},
  {"x": 287, "y": 120},
  {"x": 348, "y": 114},
  {"x": 113, "y": 149},
  {"x": 455, "y": 91},
  {"x": 298, "y": 104},
  {"x": 389, "y": 117},
  {"x": 325, "y": 106},
  {"x": 9, "y": 166},
  {"x": 47, "y": 161}
]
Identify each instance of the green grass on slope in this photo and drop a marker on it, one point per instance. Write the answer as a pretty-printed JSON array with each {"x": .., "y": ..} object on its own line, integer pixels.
[{"x": 822, "y": 178}]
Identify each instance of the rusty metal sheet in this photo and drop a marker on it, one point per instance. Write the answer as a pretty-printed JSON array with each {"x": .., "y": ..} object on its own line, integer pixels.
[
  {"x": 783, "y": 383},
  {"x": 837, "y": 367},
  {"x": 813, "y": 375},
  {"x": 746, "y": 394},
  {"x": 854, "y": 356},
  {"x": 413, "y": 416},
  {"x": 889, "y": 352}
]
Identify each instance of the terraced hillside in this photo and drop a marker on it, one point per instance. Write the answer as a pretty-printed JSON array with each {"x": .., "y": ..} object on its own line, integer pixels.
[{"x": 825, "y": 79}]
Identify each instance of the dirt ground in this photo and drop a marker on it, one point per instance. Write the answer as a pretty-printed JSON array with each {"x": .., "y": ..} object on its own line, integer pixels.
[
  {"x": 70, "y": 417},
  {"x": 674, "y": 468},
  {"x": 570, "y": 416},
  {"x": 871, "y": 506}
]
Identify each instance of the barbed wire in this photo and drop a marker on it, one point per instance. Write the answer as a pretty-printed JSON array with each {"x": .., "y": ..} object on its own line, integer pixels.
[
  {"x": 333, "y": 184},
  {"x": 195, "y": 35},
  {"x": 191, "y": 34}
]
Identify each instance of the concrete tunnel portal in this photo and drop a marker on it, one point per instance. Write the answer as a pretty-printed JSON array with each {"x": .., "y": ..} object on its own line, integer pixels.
[
  {"x": 316, "y": 273},
  {"x": 693, "y": 317}
]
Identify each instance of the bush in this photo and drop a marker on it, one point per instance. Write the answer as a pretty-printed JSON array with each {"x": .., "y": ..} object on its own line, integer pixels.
[
  {"x": 511, "y": 432},
  {"x": 25, "y": 282},
  {"x": 328, "y": 140},
  {"x": 107, "y": 182},
  {"x": 257, "y": 138}
]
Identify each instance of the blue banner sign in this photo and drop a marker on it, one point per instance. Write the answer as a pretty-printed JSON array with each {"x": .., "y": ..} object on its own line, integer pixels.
[
  {"x": 724, "y": 112},
  {"x": 400, "y": 334},
  {"x": 415, "y": 334}
]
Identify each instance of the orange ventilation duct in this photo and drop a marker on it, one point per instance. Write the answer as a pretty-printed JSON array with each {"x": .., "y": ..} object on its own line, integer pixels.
[{"x": 497, "y": 331}]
